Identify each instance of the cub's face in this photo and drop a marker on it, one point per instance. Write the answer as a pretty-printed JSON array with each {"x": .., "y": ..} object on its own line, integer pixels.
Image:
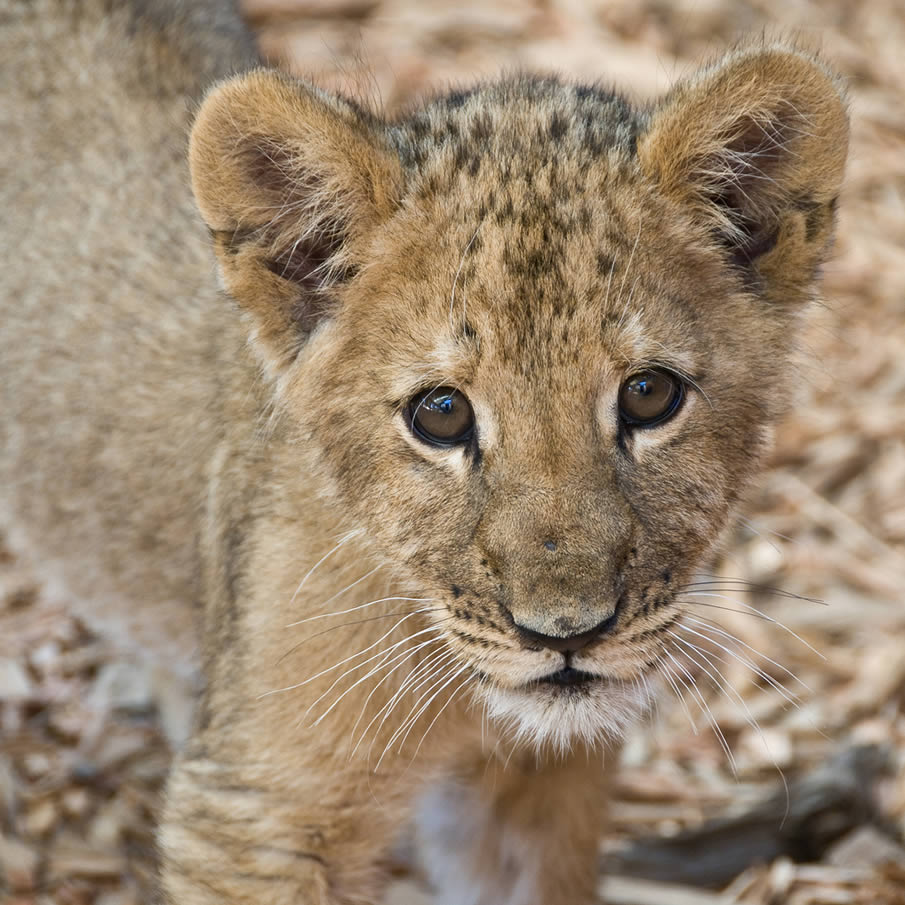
[{"x": 538, "y": 341}]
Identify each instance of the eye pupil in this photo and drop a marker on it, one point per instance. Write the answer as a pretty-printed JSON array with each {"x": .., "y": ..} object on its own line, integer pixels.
[
  {"x": 650, "y": 397},
  {"x": 441, "y": 417}
]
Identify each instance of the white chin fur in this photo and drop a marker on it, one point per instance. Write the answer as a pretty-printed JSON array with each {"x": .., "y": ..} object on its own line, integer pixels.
[{"x": 559, "y": 718}]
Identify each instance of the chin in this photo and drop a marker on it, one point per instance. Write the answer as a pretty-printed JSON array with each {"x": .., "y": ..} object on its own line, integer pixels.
[{"x": 591, "y": 712}]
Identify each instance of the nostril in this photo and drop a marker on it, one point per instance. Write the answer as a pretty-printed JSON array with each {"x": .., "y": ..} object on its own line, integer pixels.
[{"x": 608, "y": 624}]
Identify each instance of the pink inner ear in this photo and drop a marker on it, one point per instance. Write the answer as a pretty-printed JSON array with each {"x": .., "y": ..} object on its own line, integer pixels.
[
  {"x": 308, "y": 260},
  {"x": 302, "y": 251},
  {"x": 761, "y": 147},
  {"x": 269, "y": 165},
  {"x": 747, "y": 182}
]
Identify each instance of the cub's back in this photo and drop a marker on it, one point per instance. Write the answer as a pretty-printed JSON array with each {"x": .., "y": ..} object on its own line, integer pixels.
[{"x": 115, "y": 350}]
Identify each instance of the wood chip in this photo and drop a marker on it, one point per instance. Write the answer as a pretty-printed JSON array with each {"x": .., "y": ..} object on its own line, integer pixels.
[{"x": 623, "y": 891}]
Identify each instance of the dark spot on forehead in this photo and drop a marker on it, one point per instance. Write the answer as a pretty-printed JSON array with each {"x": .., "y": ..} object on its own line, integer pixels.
[
  {"x": 558, "y": 126},
  {"x": 419, "y": 126},
  {"x": 632, "y": 142},
  {"x": 482, "y": 128},
  {"x": 462, "y": 155},
  {"x": 606, "y": 264},
  {"x": 457, "y": 98},
  {"x": 506, "y": 212}
]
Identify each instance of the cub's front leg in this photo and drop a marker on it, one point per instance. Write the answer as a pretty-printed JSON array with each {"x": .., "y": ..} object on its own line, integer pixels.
[
  {"x": 263, "y": 806},
  {"x": 522, "y": 833},
  {"x": 259, "y": 834}
]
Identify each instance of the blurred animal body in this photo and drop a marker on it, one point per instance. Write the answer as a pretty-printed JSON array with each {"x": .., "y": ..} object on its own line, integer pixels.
[{"x": 418, "y": 482}]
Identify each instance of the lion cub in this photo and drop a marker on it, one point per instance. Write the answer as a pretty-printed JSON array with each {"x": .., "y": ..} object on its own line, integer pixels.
[{"x": 432, "y": 470}]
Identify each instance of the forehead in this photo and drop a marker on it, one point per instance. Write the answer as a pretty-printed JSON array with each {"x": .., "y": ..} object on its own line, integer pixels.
[
  {"x": 514, "y": 120},
  {"x": 484, "y": 304},
  {"x": 523, "y": 166},
  {"x": 528, "y": 235}
]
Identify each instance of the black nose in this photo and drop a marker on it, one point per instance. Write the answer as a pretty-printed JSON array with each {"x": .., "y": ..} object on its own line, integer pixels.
[{"x": 569, "y": 644}]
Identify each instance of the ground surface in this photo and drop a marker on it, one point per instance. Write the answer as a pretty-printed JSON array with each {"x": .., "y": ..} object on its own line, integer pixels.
[{"x": 79, "y": 788}]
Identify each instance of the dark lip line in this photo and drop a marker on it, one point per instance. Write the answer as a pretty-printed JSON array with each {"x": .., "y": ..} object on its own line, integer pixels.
[
  {"x": 567, "y": 676},
  {"x": 587, "y": 678},
  {"x": 547, "y": 681}
]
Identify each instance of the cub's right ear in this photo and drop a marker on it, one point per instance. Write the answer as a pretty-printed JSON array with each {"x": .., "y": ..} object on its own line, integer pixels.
[
  {"x": 755, "y": 147},
  {"x": 291, "y": 182}
]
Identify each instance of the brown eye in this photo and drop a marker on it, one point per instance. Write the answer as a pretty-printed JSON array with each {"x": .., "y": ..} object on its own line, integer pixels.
[
  {"x": 649, "y": 397},
  {"x": 442, "y": 416}
]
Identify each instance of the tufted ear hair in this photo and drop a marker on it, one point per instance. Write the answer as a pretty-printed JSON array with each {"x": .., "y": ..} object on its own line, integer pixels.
[
  {"x": 755, "y": 146},
  {"x": 291, "y": 182}
]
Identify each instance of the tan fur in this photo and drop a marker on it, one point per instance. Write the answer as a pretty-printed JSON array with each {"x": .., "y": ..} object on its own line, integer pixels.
[{"x": 530, "y": 242}]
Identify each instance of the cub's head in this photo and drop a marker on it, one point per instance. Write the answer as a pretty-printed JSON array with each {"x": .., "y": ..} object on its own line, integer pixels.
[{"x": 538, "y": 338}]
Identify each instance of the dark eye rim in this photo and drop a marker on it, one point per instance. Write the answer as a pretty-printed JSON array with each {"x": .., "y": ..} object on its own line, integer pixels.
[
  {"x": 675, "y": 403},
  {"x": 425, "y": 436}
]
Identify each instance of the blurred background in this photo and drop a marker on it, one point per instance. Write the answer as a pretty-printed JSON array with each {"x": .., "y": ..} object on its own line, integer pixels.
[{"x": 810, "y": 804}]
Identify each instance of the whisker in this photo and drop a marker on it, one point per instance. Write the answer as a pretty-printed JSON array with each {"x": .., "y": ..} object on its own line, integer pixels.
[
  {"x": 788, "y": 696},
  {"x": 628, "y": 300},
  {"x": 355, "y": 656},
  {"x": 444, "y": 663},
  {"x": 384, "y": 654},
  {"x": 344, "y": 540},
  {"x": 362, "y": 606},
  {"x": 715, "y": 584},
  {"x": 441, "y": 669},
  {"x": 628, "y": 267},
  {"x": 419, "y": 677},
  {"x": 653, "y": 702},
  {"x": 484, "y": 725},
  {"x": 727, "y": 609},
  {"x": 464, "y": 682},
  {"x": 747, "y": 523},
  {"x": 413, "y": 721},
  {"x": 668, "y": 675},
  {"x": 710, "y": 657},
  {"x": 708, "y": 713},
  {"x": 425, "y": 666},
  {"x": 403, "y": 655},
  {"x": 352, "y": 622},
  {"x": 452, "y": 297},
  {"x": 774, "y": 683},
  {"x": 746, "y": 661},
  {"x": 760, "y": 613},
  {"x": 726, "y": 688},
  {"x": 348, "y": 587},
  {"x": 357, "y": 581}
]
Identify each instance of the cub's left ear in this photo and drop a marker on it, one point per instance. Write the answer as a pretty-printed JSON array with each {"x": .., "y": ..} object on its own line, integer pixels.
[
  {"x": 755, "y": 147},
  {"x": 292, "y": 181}
]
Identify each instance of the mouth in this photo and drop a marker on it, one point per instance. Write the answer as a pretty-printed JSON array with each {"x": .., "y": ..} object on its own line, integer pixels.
[
  {"x": 568, "y": 677},
  {"x": 566, "y": 706}
]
